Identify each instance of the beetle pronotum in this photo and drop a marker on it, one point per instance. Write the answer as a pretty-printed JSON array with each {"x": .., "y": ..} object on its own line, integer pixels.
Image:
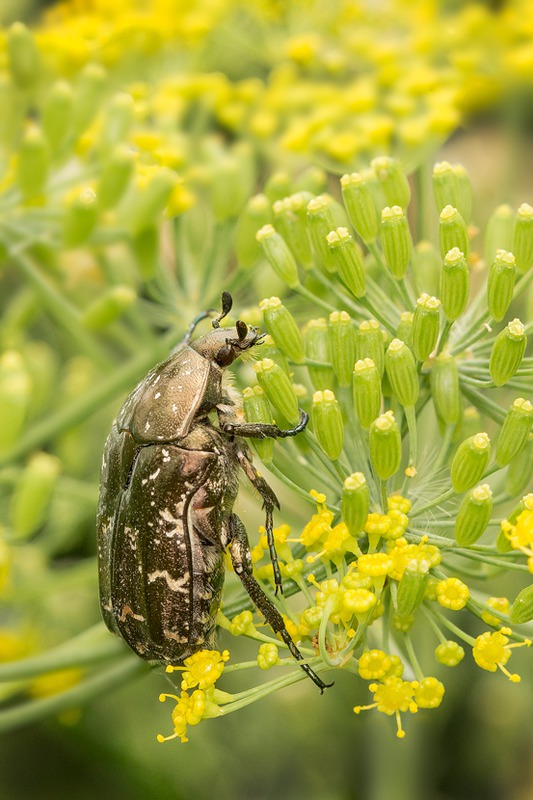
[{"x": 169, "y": 481}]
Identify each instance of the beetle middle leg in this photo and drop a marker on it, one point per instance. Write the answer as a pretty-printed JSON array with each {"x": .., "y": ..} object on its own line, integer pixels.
[
  {"x": 242, "y": 564},
  {"x": 270, "y": 501}
]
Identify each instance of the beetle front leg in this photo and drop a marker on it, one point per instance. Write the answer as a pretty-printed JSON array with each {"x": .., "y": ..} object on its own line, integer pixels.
[
  {"x": 242, "y": 564},
  {"x": 263, "y": 430}
]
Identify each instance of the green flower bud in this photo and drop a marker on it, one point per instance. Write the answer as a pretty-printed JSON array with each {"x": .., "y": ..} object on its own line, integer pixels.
[
  {"x": 57, "y": 111},
  {"x": 88, "y": 95},
  {"x": 108, "y": 307},
  {"x": 520, "y": 470},
  {"x": 256, "y": 214},
  {"x": 291, "y": 221},
  {"x": 257, "y": 409},
  {"x": 15, "y": 395},
  {"x": 312, "y": 179},
  {"x": 145, "y": 246},
  {"x": 401, "y": 372},
  {"x": 278, "y": 388},
  {"x": 280, "y": 257},
  {"x": 231, "y": 184},
  {"x": 32, "y": 494},
  {"x": 425, "y": 326},
  {"x": 499, "y": 232},
  {"x": 470, "y": 462},
  {"x": 426, "y": 264},
  {"x": 327, "y": 423},
  {"x": 348, "y": 261},
  {"x": 316, "y": 347},
  {"x": 23, "y": 55},
  {"x": 523, "y": 237},
  {"x": 342, "y": 346},
  {"x": 369, "y": 344},
  {"x": 385, "y": 444},
  {"x": 118, "y": 118},
  {"x": 33, "y": 163},
  {"x": 515, "y": 431},
  {"x": 80, "y": 217},
  {"x": 454, "y": 284},
  {"x": 396, "y": 240},
  {"x": 360, "y": 206},
  {"x": 451, "y": 186},
  {"x": 445, "y": 389},
  {"x": 501, "y": 284},
  {"x": 392, "y": 180},
  {"x": 366, "y": 391},
  {"x": 324, "y": 214},
  {"x": 507, "y": 352},
  {"x": 405, "y": 328},
  {"x": 282, "y": 326},
  {"x": 522, "y": 608},
  {"x": 147, "y": 202},
  {"x": 269, "y": 350},
  {"x": 474, "y": 515},
  {"x": 278, "y": 186},
  {"x": 355, "y": 503},
  {"x": 452, "y": 231},
  {"x": 412, "y": 586},
  {"x": 115, "y": 176}
]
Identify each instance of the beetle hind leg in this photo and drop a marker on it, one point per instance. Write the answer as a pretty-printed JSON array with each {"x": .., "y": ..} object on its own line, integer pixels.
[{"x": 242, "y": 564}]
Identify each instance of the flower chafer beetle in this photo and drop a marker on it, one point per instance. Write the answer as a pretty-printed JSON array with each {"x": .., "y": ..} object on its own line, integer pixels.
[{"x": 168, "y": 484}]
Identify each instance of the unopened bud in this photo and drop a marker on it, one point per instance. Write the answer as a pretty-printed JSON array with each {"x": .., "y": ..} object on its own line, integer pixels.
[
  {"x": 118, "y": 118},
  {"x": 520, "y": 470},
  {"x": 501, "y": 284},
  {"x": 454, "y": 284},
  {"x": 347, "y": 258},
  {"x": 412, "y": 587},
  {"x": 522, "y": 608},
  {"x": 470, "y": 462},
  {"x": 426, "y": 264},
  {"x": 115, "y": 176},
  {"x": 315, "y": 338},
  {"x": 33, "y": 163},
  {"x": 57, "y": 111},
  {"x": 15, "y": 395},
  {"x": 355, "y": 503},
  {"x": 396, "y": 240},
  {"x": 291, "y": 221},
  {"x": 385, "y": 444},
  {"x": 425, "y": 331},
  {"x": 32, "y": 494},
  {"x": 324, "y": 214},
  {"x": 507, "y": 352},
  {"x": 523, "y": 237},
  {"x": 369, "y": 344},
  {"x": 405, "y": 328},
  {"x": 88, "y": 95},
  {"x": 392, "y": 180},
  {"x": 451, "y": 186},
  {"x": 452, "y": 231},
  {"x": 401, "y": 372},
  {"x": 80, "y": 217},
  {"x": 282, "y": 326},
  {"x": 23, "y": 55},
  {"x": 327, "y": 423},
  {"x": 473, "y": 516},
  {"x": 280, "y": 257},
  {"x": 342, "y": 346},
  {"x": 360, "y": 206},
  {"x": 366, "y": 391},
  {"x": 499, "y": 232},
  {"x": 257, "y": 409},
  {"x": 445, "y": 389},
  {"x": 278, "y": 388},
  {"x": 515, "y": 431}
]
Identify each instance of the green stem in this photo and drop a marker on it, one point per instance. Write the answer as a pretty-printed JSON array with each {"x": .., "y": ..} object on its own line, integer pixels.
[{"x": 431, "y": 503}]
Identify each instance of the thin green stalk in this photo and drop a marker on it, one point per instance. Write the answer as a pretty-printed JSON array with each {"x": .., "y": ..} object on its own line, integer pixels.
[{"x": 417, "y": 510}]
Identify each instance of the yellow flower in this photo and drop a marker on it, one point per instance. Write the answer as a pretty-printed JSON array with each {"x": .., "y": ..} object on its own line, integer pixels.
[
  {"x": 500, "y": 604},
  {"x": 392, "y": 697},
  {"x": 452, "y": 593},
  {"x": 449, "y": 653},
  {"x": 374, "y": 665},
  {"x": 492, "y": 651}
]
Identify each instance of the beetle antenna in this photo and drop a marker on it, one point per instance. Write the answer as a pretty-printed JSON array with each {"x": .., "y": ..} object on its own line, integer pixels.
[{"x": 227, "y": 302}]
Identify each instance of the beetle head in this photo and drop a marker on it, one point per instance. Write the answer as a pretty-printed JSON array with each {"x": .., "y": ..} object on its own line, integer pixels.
[{"x": 224, "y": 345}]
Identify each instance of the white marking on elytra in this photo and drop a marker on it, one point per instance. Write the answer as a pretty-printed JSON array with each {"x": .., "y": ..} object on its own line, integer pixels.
[
  {"x": 127, "y": 612},
  {"x": 154, "y": 475},
  {"x": 147, "y": 426},
  {"x": 174, "y": 584},
  {"x": 157, "y": 395}
]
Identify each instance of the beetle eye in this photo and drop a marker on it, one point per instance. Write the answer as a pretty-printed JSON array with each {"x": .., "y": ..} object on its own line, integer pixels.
[
  {"x": 225, "y": 356},
  {"x": 242, "y": 329}
]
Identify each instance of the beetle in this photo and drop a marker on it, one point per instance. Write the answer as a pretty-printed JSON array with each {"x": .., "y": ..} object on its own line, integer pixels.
[{"x": 169, "y": 480}]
